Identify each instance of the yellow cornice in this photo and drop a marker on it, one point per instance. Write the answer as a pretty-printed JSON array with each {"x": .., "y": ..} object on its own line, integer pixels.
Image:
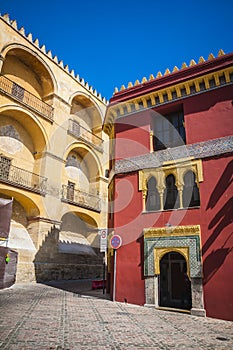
[
  {"x": 168, "y": 94},
  {"x": 172, "y": 231}
]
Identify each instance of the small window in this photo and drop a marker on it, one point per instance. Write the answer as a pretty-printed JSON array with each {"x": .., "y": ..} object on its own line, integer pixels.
[
  {"x": 191, "y": 197},
  {"x": 171, "y": 198},
  {"x": 168, "y": 131},
  {"x": 152, "y": 199}
]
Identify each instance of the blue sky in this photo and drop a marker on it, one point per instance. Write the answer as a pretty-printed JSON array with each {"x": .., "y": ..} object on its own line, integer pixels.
[{"x": 110, "y": 43}]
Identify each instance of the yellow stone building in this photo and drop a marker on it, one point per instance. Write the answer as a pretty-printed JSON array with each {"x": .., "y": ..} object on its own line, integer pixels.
[{"x": 53, "y": 160}]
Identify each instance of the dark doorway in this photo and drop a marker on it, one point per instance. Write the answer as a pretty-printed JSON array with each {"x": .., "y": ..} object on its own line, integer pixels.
[{"x": 174, "y": 284}]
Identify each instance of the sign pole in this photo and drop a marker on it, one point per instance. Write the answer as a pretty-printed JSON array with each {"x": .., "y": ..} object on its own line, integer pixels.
[
  {"x": 115, "y": 243},
  {"x": 103, "y": 272},
  {"x": 114, "y": 276}
]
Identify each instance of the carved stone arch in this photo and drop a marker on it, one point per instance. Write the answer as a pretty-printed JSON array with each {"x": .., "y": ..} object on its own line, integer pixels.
[
  {"x": 171, "y": 171},
  {"x": 192, "y": 169},
  {"x": 161, "y": 252},
  {"x": 36, "y": 57}
]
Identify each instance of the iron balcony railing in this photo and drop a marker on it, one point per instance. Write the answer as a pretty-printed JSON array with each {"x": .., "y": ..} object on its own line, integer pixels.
[
  {"x": 80, "y": 198},
  {"x": 78, "y": 131},
  {"x": 25, "y": 97},
  {"x": 22, "y": 178}
]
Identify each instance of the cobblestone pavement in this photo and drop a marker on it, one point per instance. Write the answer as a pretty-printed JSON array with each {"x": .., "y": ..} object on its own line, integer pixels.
[{"x": 36, "y": 316}]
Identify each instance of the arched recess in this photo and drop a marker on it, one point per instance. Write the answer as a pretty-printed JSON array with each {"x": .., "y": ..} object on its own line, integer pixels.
[
  {"x": 174, "y": 283},
  {"x": 191, "y": 196},
  {"x": 22, "y": 238},
  {"x": 30, "y": 207},
  {"x": 26, "y": 68},
  {"x": 77, "y": 229},
  {"x": 22, "y": 137},
  {"x": 82, "y": 167},
  {"x": 152, "y": 198},
  {"x": 171, "y": 197},
  {"x": 87, "y": 113}
]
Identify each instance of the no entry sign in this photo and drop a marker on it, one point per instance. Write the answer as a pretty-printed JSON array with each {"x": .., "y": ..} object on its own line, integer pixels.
[{"x": 115, "y": 242}]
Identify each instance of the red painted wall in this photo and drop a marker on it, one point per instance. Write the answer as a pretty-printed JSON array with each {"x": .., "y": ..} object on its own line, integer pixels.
[
  {"x": 209, "y": 116},
  {"x": 132, "y": 135},
  {"x": 217, "y": 237},
  {"x": 215, "y": 219}
]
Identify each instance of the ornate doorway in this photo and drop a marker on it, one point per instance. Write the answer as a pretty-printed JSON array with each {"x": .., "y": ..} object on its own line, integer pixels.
[{"x": 174, "y": 283}]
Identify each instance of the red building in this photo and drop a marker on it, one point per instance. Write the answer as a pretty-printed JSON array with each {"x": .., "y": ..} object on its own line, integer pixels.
[{"x": 170, "y": 191}]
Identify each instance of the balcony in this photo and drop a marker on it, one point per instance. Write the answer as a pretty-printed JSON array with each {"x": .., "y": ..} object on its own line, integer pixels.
[
  {"x": 18, "y": 177},
  {"x": 79, "y": 132},
  {"x": 27, "y": 99},
  {"x": 80, "y": 198}
]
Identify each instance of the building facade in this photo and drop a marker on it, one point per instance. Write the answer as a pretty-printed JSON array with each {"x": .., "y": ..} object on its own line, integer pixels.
[
  {"x": 53, "y": 156},
  {"x": 170, "y": 190}
]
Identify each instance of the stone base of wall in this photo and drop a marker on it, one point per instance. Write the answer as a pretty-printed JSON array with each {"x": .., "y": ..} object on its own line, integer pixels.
[{"x": 53, "y": 271}]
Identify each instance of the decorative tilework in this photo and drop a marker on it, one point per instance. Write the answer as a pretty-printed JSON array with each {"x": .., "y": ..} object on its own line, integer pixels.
[
  {"x": 192, "y": 242},
  {"x": 156, "y": 159}
]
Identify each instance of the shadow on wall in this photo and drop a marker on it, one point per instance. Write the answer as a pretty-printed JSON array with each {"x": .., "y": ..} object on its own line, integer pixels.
[
  {"x": 51, "y": 264},
  {"x": 220, "y": 221}
]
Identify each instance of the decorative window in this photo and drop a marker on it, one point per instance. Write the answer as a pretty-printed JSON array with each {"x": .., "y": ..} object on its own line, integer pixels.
[
  {"x": 152, "y": 199},
  {"x": 168, "y": 131},
  {"x": 172, "y": 186},
  {"x": 171, "y": 199},
  {"x": 191, "y": 197}
]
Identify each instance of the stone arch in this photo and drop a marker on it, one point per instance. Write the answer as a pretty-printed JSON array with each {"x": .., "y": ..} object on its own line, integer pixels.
[
  {"x": 85, "y": 151},
  {"x": 79, "y": 228},
  {"x": 86, "y": 111},
  {"x": 29, "y": 205},
  {"x": 31, "y": 124},
  {"x": 18, "y": 52}
]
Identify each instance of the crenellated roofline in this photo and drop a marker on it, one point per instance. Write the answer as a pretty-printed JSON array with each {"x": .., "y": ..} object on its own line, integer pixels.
[
  {"x": 42, "y": 48},
  {"x": 172, "y": 86}
]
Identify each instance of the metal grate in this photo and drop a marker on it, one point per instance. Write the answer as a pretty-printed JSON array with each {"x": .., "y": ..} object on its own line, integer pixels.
[
  {"x": 82, "y": 133},
  {"x": 80, "y": 198},
  {"x": 20, "y": 177},
  {"x": 25, "y": 97}
]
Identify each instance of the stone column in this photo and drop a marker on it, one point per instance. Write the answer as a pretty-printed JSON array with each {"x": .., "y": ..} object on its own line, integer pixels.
[
  {"x": 197, "y": 298},
  {"x": 151, "y": 291}
]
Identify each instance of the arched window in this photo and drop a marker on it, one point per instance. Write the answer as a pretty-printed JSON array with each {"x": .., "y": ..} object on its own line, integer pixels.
[
  {"x": 171, "y": 198},
  {"x": 191, "y": 197},
  {"x": 152, "y": 199}
]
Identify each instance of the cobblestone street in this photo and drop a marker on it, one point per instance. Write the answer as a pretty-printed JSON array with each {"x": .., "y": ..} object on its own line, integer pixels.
[{"x": 36, "y": 316}]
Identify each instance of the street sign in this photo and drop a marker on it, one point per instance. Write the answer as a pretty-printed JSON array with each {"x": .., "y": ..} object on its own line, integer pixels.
[
  {"x": 116, "y": 242},
  {"x": 103, "y": 240}
]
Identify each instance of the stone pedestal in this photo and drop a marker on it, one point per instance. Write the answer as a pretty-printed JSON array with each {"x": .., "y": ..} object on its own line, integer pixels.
[
  {"x": 197, "y": 298},
  {"x": 151, "y": 290}
]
